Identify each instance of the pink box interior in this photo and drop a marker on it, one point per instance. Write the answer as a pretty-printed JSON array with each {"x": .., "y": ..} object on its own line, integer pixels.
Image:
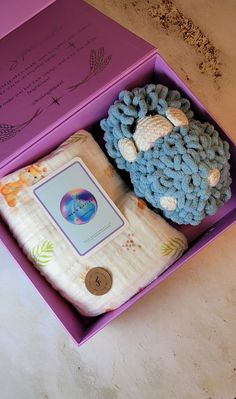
[{"x": 73, "y": 30}]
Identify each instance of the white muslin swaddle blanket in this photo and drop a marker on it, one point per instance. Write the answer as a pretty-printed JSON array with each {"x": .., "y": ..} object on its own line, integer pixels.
[{"x": 134, "y": 258}]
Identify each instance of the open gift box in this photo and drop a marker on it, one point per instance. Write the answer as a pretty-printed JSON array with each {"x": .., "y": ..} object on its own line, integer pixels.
[{"x": 49, "y": 89}]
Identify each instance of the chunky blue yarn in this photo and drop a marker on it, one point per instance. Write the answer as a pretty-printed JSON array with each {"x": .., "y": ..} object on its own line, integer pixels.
[{"x": 179, "y": 163}]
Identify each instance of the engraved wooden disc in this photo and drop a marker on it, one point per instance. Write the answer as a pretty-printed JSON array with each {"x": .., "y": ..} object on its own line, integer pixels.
[{"x": 98, "y": 281}]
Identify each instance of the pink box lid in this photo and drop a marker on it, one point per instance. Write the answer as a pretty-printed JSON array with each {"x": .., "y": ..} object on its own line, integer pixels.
[
  {"x": 55, "y": 64},
  {"x": 14, "y": 13}
]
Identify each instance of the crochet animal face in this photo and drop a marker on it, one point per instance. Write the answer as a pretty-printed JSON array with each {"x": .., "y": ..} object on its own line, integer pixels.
[{"x": 179, "y": 165}]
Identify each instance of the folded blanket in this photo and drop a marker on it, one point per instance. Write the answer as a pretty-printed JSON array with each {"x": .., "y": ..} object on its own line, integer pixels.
[{"x": 132, "y": 259}]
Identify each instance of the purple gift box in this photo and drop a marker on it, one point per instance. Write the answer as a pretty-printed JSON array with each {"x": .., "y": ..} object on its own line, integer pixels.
[{"x": 60, "y": 72}]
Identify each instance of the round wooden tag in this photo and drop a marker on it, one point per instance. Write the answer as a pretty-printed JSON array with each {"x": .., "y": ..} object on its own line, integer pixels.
[{"x": 98, "y": 281}]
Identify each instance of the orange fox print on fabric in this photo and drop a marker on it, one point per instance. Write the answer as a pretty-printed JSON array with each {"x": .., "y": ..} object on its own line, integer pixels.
[{"x": 27, "y": 177}]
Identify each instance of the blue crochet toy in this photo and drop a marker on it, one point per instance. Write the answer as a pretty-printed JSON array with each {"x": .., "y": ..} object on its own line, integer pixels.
[{"x": 178, "y": 164}]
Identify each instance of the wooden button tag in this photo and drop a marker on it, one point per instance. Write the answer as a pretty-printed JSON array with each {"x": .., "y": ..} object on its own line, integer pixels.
[{"x": 98, "y": 281}]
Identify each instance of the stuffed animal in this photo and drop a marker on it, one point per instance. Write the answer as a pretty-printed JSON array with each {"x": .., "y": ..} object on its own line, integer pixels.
[
  {"x": 178, "y": 164},
  {"x": 27, "y": 177}
]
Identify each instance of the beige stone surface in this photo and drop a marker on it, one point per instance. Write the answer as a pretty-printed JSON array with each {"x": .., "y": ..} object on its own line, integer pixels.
[{"x": 179, "y": 340}]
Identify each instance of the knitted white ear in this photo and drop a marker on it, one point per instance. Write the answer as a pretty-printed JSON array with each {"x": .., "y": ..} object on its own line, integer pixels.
[
  {"x": 149, "y": 129},
  {"x": 127, "y": 149},
  {"x": 213, "y": 177},
  {"x": 176, "y": 116},
  {"x": 168, "y": 203}
]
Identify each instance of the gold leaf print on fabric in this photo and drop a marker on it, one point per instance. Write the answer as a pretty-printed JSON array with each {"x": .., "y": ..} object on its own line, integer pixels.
[
  {"x": 76, "y": 137},
  {"x": 173, "y": 247}
]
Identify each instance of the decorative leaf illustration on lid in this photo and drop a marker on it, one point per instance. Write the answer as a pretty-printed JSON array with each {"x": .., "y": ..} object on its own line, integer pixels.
[
  {"x": 97, "y": 63},
  {"x": 7, "y": 131}
]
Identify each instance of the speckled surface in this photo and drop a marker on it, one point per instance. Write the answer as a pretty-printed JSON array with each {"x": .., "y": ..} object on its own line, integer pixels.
[
  {"x": 197, "y": 40},
  {"x": 179, "y": 340}
]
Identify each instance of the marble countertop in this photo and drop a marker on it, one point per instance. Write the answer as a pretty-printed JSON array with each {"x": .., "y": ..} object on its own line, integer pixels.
[{"x": 179, "y": 340}]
